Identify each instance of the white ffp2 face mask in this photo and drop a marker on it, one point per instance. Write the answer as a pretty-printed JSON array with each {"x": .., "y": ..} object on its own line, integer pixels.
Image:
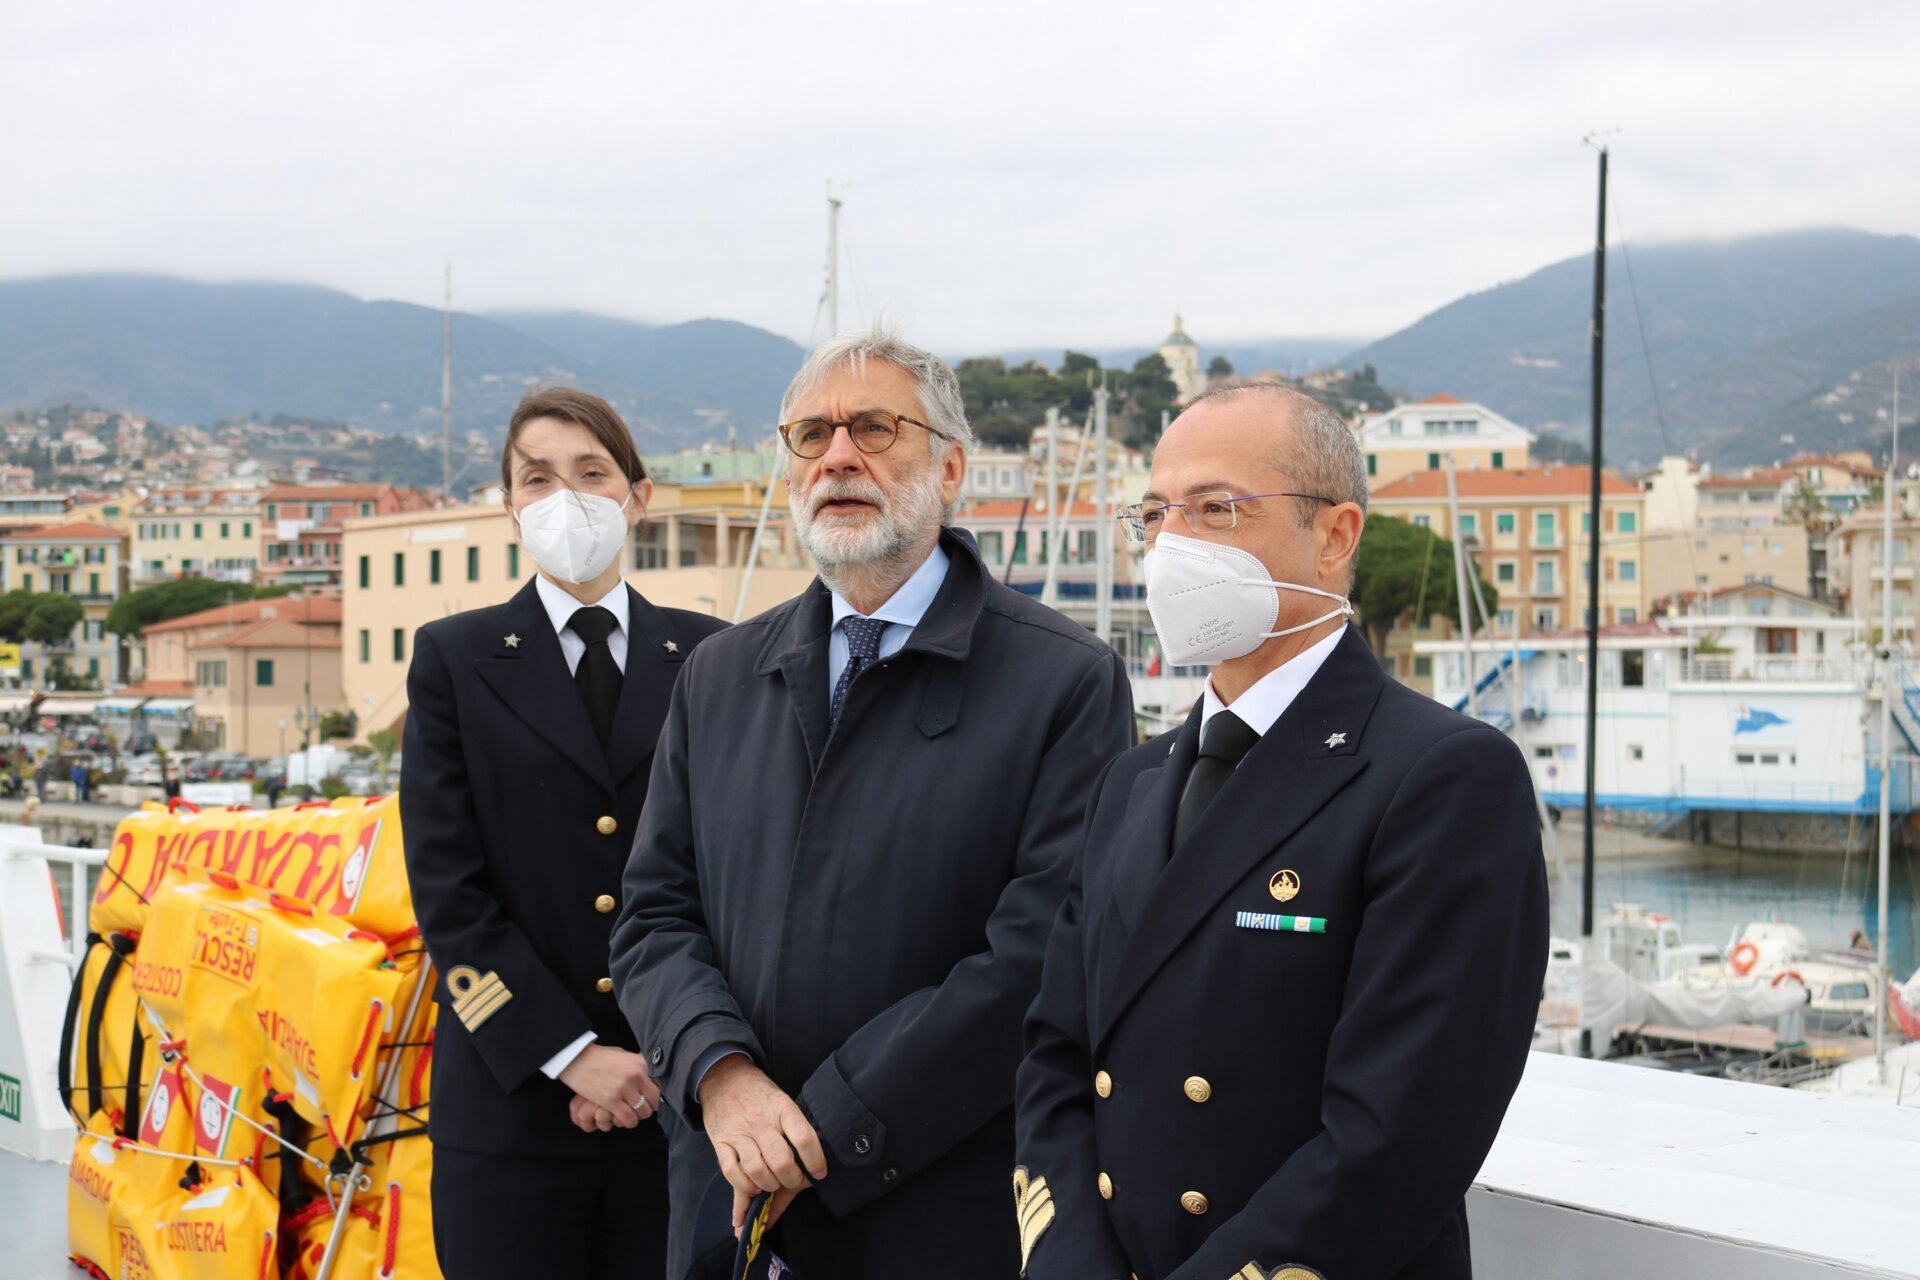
[
  {"x": 574, "y": 536},
  {"x": 1211, "y": 602}
]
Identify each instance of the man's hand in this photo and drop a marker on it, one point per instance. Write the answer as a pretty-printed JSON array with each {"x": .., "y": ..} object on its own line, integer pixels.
[
  {"x": 616, "y": 1081},
  {"x": 759, "y": 1134},
  {"x": 587, "y": 1116}
]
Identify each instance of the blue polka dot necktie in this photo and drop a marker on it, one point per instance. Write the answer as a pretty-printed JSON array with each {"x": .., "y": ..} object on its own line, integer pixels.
[{"x": 863, "y": 646}]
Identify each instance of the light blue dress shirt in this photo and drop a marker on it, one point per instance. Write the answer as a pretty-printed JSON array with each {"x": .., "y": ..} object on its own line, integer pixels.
[{"x": 902, "y": 613}]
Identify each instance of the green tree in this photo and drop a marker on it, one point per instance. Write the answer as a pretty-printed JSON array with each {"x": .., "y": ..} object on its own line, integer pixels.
[
  {"x": 1077, "y": 365},
  {"x": 43, "y": 617},
  {"x": 1403, "y": 568},
  {"x": 134, "y": 612},
  {"x": 1804, "y": 508},
  {"x": 384, "y": 743},
  {"x": 1220, "y": 367},
  {"x": 52, "y": 618},
  {"x": 333, "y": 724}
]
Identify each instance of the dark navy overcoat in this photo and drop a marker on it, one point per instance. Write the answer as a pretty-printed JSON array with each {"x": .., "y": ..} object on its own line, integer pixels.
[{"x": 865, "y": 906}]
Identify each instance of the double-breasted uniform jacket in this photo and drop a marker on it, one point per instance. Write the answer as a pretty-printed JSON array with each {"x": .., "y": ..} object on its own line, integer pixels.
[
  {"x": 1290, "y": 1043},
  {"x": 864, "y": 906},
  {"x": 516, "y": 823}
]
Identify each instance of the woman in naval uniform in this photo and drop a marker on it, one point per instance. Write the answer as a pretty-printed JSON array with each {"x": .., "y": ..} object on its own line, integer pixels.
[{"x": 529, "y": 734}]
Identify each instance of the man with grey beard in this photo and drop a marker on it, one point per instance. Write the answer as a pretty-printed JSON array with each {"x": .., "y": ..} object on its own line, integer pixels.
[{"x": 856, "y": 837}]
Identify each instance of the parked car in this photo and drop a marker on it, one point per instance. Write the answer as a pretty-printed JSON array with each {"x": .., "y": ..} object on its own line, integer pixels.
[{"x": 141, "y": 744}]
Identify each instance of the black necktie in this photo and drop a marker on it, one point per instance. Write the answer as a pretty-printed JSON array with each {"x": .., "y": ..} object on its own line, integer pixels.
[
  {"x": 863, "y": 646},
  {"x": 1225, "y": 740},
  {"x": 598, "y": 675}
]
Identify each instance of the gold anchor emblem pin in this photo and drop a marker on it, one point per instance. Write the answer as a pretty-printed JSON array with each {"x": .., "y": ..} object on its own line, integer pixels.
[{"x": 1285, "y": 885}]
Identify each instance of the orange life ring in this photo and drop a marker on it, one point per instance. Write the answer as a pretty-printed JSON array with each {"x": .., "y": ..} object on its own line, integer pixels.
[
  {"x": 1784, "y": 974},
  {"x": 1744, "y": 957}
]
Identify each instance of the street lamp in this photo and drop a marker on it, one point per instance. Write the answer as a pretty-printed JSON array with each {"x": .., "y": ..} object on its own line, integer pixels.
[{"x": 300, "y": 722}]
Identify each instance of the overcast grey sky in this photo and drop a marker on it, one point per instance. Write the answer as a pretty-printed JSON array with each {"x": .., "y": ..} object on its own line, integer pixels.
[{"x": 1020, "y": 173}]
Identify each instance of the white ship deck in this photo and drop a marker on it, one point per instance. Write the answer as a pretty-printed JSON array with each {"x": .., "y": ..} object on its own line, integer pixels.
[{"x": 1601, "y": 1171}]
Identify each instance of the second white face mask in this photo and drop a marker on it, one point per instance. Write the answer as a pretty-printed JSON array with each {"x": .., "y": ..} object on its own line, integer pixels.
[
  {"x": 1212, "y": 602},
  {"x": 574, "y": 536}
]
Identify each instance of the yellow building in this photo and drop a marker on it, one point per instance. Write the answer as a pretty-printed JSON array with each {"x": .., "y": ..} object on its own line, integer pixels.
[
  {"x": 87, "y": 562},
  {"x": 1527, "y": 531},
  {"x": 402, "y": 571},
  {"x": 256, "y": 685},
  {"x": 1423, "y": 435},
  {"x": 196, "y": 533}
]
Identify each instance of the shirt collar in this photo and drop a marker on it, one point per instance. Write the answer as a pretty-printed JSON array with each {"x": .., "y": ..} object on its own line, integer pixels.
[
  {"x": 1274, "y": 692},
  {"x": 906, "y": 606},
  {"x": 561, "y": 607}
]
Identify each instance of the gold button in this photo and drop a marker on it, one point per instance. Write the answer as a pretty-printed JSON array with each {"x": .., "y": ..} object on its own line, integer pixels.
[
  {"x": 1103, "y": 1084},
  {"x": 607, "y": 826},
  {"x": 1106, "y": 1187},
  {"x": 604, "y": 903},
  {"x": 603, "y": 986},
  {"x": 1198, "y": 1089},
  {"x": 1193, "y": 1202}
]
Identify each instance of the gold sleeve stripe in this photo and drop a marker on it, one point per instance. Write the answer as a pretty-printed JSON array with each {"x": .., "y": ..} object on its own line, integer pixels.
[
  {"x": 1033, "y": 1207},
  {"x": 476, "y": 997}
]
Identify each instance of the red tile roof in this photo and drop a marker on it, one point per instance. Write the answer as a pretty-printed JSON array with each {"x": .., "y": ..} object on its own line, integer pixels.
[
  {"x": 274, "y": 633},
  {"x": 1035, "y": 512},
  {"x": 1518, "y": 482},
  {"x": 1442, "y": 398},
  {"x": 157, "y": 689},
  {"x": 67, "y": 533},
  {"x": 326, "y": 492},
  {"x": 245, "y": 612}
]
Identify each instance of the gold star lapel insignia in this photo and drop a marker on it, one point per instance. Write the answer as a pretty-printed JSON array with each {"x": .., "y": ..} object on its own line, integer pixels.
[
  {"x": 1335, "y": 739},
  {"x": 670, "y": 646},
  {"x": 512, "y": 642}
]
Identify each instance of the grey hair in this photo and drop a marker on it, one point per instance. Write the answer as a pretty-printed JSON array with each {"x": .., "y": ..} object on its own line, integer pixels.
[
  {"x": 933, "y": 380},
  {"x": 1321, "y": 454}
]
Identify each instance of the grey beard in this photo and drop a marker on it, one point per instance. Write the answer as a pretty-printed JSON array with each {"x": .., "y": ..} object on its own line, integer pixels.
[{"x": 882, "y": 558}]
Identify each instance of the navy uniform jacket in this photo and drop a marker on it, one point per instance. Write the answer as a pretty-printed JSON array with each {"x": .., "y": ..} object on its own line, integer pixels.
[
  {"x": 865, "y": 907},
  {"x": 1203, "y": 1100},
  {"x": 516, "y": 824}
]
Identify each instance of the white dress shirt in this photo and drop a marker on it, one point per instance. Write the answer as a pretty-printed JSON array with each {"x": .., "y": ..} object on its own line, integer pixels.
[
  {"x": 1273, "y": 692},
  {"x": 560, "y": 609}
]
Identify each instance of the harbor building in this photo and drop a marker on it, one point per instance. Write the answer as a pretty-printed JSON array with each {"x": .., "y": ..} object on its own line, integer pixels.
[
  {"x": 181, "y": 532},
  {"x": 1423, "y": 435},
  {"x": 405, "y": 569},
  {"x": 87, "y": 562}
]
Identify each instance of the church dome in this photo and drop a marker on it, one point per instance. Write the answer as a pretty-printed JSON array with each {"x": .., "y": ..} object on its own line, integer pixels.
[{"x": 1178, "y": 338}]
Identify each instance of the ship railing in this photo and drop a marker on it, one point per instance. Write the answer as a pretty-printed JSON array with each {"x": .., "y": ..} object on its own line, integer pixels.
[
  {"x": 78, "y": 862},
  {"x": 1730, "y": 669}
]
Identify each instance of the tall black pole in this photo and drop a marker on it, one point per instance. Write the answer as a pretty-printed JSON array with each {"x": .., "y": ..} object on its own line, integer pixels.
[{"x": 1593, "y": 558}]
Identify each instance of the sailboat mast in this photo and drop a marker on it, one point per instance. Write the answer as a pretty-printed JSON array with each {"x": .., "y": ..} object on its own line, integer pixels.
[
  {"x": 1460, "y": 587},
  {"x": 1103, "y": 521},
  {"x": 1593, "y": 559},
  {"x": 446, "y": 387},
  {"x": 1890, "y": 496},
  {"x": 833, "y": 264}
]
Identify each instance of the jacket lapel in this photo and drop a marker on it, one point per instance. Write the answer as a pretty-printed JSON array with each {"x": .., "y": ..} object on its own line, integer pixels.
[
  {"x": 1288, "y": 776},
  {"x": 802, "y": 660},
  {"x": 1151, "y": 806},
  {"x": 531, "y": 677},
  {"x": 654, "y": 655}
]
